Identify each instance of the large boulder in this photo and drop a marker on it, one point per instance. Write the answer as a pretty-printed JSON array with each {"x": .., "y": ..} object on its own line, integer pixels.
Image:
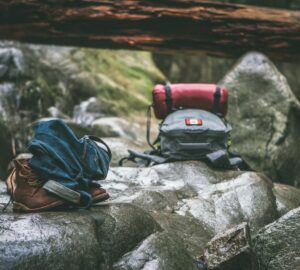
[
  {"x": 247, "y": 197},
  {"x": 216, "y": 199},
  {"x": 277, "y": 244},
  {"x": 264, "y": 114},
  {"x": 92, "y": 239}
]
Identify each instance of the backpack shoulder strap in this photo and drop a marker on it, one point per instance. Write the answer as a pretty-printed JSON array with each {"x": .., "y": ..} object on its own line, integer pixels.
[
  {"x": 143, "y": 159},
  {"x": 149, "y": 129}
]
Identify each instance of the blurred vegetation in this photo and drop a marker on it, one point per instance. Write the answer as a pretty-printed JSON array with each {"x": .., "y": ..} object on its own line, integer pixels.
[{"x": 63, "y": 77}]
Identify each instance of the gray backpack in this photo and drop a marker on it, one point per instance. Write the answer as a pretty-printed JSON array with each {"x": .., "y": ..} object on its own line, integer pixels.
[{"x": 190, "y": 134}]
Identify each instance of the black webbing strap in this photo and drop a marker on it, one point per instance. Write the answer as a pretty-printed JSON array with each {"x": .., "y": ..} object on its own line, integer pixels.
[
  {"x": 149, "y": 127},
  {"x": 143, "y": 159},
  {"x": 168, "y": 91},
  {"x": 217, "y": 97}
]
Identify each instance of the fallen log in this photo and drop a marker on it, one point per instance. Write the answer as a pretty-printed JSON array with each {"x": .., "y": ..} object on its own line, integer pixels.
[{"x": 189, "y": 26}]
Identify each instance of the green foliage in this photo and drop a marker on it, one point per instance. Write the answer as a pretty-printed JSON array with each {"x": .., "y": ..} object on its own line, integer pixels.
[{"x": 63, "y": 77}]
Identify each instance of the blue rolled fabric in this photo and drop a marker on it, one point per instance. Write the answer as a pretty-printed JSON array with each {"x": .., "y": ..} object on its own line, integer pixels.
[{"x": 58, "y": 155}]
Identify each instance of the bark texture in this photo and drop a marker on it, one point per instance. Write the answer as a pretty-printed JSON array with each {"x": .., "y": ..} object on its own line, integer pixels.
[{"x": 190, "y": 26}]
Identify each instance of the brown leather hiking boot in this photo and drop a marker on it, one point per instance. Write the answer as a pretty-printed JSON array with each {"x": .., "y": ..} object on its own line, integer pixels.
[
  {"x": 99, "y": 194},
  {"x": 26, "y": 190}
]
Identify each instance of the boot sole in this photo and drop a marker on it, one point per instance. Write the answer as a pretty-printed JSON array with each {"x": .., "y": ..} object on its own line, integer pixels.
[
  {"x": 69, "y": 194},
  {"x": 100, "y": 198},
  {"x": 62, "y": 191},
  {"x": 19, "y": 207}
]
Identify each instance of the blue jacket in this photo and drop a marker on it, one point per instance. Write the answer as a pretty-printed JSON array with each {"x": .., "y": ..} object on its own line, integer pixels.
[{"x": 58, "y": 155}]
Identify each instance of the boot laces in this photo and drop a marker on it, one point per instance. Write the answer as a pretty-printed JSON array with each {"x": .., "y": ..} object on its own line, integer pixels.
[{"x": 30, "y": 177}]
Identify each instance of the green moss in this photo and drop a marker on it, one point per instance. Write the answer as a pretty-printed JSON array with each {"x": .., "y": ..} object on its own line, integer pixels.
[{"x": 124, "y": 78}]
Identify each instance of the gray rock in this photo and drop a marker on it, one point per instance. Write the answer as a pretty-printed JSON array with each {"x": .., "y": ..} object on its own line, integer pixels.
[
  {"x": 247, "y": 197},
  {"x": 119, "y": 148},
  {"x": 3, "y": 70},
  {"x": 287, "y": 198},
  {"x": 159, "y": 251},
  {"x": 75, "y": 240},
  {"x": 4, "y": 197},
  {"x": 231, "y": 250},
  {"x": 115, "y": 127},
  {"x": 12, "y": 64},
  {"x": 217, "y": 199},
  {"x": 191, "y": 232},
  {"x": 87, "y": 111},
  {"x": 48, "y": 241},
  {"x": 56, "y": 113},
  {"x": 262, "y": 111},
  {"x": 277, "y": 244},
  {"x": 184, "y": 204},
  {"x": 8, "y": 101},
  {"x": 120, "y": 229}
]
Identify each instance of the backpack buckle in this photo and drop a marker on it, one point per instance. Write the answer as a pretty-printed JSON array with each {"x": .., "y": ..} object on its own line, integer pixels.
[{"x": 193, "y": 122}]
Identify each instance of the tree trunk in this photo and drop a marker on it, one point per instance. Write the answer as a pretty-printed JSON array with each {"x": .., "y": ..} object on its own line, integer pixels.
[{"x": 188, "y": 26}]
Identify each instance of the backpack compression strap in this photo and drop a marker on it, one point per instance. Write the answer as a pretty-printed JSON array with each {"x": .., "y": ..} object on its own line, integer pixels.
[
  {"x": 220, "y": 159},
  {"x": 144, "y": 159},
  {"x": 169, "y": 105},
  {"x": 217, "y": 97},
  {"x": 168, "y": 91}
]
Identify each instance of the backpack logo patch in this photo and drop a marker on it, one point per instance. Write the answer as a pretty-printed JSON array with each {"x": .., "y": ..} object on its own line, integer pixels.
[{"x": 193, "y": 122}]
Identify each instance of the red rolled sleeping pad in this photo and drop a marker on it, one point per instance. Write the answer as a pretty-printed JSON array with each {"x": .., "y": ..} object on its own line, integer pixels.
[{"x": 209, "y": 97}]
